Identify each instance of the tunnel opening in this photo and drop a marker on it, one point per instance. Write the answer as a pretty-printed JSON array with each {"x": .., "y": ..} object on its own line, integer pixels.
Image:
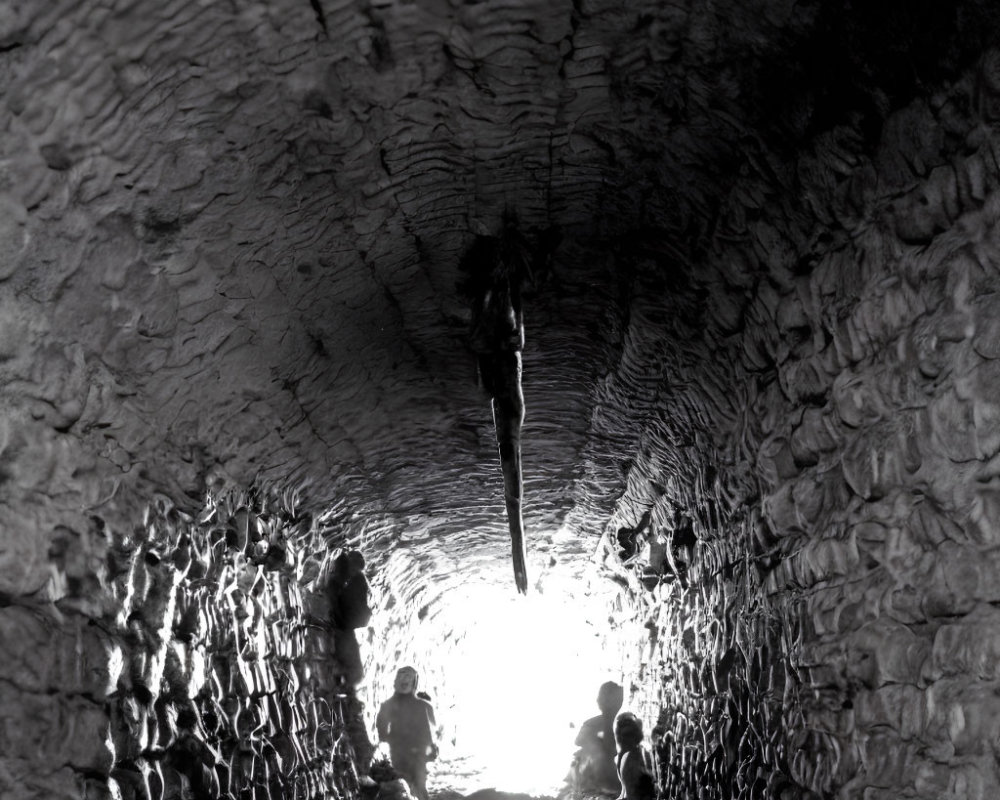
[
  {"x": 512, "y": 676},
  {"x": 212, "y": 647}
]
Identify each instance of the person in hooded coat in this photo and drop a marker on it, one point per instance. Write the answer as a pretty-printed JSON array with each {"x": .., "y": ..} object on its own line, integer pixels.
[
  {"x": 406, "y": 722},
  {"x": 634, "y": 762}
]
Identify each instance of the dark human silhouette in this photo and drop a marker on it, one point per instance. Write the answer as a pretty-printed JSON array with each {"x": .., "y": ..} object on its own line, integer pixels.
[
  {"x": 594, "y": 769},
  {"x": 348, "y": 592},
  {"x": 634, "y": 763},
  {"x": 394, "y": 789},
  {"x": 406, "y": 722},
  {"x": 498, "y": 266}
]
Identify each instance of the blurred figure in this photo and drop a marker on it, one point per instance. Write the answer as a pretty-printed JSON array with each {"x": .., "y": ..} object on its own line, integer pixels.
[
  {"x": 406, "y": 722},
  {"x": 394, "y": 790},
  {"x": 594, "y": 770},
  {"x": 349, "y": 593},
  {"x": 634, "y": 762}
]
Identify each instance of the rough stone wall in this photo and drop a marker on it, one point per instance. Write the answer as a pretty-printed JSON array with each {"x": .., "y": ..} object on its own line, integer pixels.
[
  {"x": 200, "y": 665},
  {"x": 228, "y": 246},
  {"x": 877, "y": 460},
  {"x": 821, "y": 510},
  {"x": 683, "y": 542}
]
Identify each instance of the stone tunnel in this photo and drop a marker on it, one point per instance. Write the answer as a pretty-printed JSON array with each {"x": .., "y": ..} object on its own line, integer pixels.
[{"x": 761, "y": 380}]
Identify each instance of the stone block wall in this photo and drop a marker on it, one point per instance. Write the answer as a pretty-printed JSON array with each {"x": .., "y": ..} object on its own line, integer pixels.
[
  {"x": 207, "y": 669},
  {"x": 210, "y": 212},
  {"x": 831, "y": 494}
]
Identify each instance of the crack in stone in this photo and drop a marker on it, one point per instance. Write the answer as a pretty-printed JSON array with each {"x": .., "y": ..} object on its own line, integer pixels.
[{"x": 317, "y": 6}]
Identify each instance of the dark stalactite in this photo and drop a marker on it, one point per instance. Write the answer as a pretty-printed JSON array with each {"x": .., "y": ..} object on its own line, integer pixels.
[{"x": 497, "y": 268}]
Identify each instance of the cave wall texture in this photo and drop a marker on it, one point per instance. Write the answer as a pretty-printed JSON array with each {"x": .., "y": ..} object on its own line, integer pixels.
[{"x": 760, "y": 373}]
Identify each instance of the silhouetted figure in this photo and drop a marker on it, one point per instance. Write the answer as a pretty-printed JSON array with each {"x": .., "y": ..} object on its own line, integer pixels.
[
  {"x": 594, "y": 768},
  {"x": 194, "y": 758},
  {"x": 498, "y": 266},
  {"x": 357, "y": 733},
  {"x": 395, "y": 789},
  {"x": 349, "y": 593},
  {"x": 336, "y": 581},
  {"x": 407, "y": 724},
  {"x": 634, "y": 763}
]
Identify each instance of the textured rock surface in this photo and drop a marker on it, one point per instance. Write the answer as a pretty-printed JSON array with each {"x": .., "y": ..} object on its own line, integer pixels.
[
  {"x": 759, "y": 371},
  {"x": 210, "y": 669}
]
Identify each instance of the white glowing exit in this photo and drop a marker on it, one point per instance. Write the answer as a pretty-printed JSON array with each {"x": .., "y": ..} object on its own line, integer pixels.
[{"x": 520, "y": 673}]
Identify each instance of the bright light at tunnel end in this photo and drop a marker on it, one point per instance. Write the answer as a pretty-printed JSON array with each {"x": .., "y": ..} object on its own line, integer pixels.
[{"x": 519, "y": 675}]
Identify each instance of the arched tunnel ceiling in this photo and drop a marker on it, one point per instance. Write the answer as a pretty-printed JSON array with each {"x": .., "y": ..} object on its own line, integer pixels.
[{"x": 231, "y": 238}]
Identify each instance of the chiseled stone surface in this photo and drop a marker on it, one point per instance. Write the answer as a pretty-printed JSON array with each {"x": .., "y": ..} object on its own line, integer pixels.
[
  {"x": 815, "y": 468},
  {"x": 761, "y": 364}
]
